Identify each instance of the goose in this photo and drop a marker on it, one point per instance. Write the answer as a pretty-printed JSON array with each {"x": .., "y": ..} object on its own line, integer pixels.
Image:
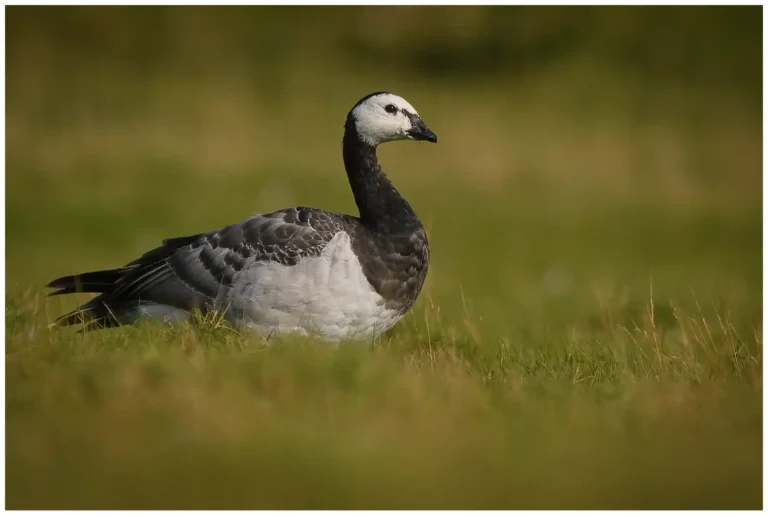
[{"x": 296, "y": 270}]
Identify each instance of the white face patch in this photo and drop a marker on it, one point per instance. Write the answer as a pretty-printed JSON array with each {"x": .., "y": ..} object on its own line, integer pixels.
[{"x": 376, "y": 125}]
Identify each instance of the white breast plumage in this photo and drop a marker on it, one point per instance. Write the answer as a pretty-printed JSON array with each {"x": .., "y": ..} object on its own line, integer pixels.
[{"x": 328, "y": 295}]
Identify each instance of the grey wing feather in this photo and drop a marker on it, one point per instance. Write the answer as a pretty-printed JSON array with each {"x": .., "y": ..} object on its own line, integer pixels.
[
  {"x": 188, "y": 272},
  {"x": 214, "y": 259}
]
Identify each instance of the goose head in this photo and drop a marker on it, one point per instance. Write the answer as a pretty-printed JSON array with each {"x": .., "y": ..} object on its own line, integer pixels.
[{"x": 385, "y": 117}]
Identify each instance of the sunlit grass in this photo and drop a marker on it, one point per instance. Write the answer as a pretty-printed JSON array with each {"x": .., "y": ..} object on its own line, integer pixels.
[{"x": 430, "y": 416}]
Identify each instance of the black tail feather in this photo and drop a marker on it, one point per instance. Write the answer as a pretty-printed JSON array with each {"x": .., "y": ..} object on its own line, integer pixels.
[
  {"x": 115, "y": 286},
  {"x": 97, "y": 281},
  {"x": 93, "y": 315}
]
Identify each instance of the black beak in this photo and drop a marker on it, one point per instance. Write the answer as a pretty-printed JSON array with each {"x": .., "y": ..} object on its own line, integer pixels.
[{"x": 421, "y": 132}]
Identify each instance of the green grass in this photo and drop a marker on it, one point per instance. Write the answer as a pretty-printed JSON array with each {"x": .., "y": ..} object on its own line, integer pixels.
[
  {"x": 194, "y": 417},
  {"x": 589, "y": 336},
  {"x": 540, "y": 379}
]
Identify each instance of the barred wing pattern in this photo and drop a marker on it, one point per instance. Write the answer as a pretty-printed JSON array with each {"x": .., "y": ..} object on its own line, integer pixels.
[{"x": 190, "y": 272}]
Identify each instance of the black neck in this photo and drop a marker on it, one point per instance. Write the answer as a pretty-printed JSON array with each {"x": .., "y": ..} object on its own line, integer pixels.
[{"x": 381, "y": 206}]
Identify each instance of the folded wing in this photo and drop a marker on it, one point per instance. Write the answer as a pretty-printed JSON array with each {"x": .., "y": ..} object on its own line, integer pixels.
[{"x": 189, "y": 272}]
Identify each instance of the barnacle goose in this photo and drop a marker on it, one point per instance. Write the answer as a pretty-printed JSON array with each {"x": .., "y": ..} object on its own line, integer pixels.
[{"x": 299, "y": 269}]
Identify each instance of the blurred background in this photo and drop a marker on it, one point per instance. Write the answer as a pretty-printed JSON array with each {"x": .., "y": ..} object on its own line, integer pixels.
[{"x": 588, "y": 157}]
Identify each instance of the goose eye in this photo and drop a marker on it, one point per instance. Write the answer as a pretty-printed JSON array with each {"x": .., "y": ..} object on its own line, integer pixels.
[{"x": 391, "y": 109}]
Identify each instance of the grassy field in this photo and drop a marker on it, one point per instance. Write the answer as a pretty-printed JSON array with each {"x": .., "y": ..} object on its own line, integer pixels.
[{"x": 590, "y": 334}]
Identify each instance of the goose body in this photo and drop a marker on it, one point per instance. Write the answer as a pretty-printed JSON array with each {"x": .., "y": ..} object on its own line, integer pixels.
[{"x": 303, "y": 270}]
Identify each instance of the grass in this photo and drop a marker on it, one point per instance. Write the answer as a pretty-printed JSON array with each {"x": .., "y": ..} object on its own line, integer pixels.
[
  {"x": 589, "y": 336},
  {"x": 201, "y": 417}
]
